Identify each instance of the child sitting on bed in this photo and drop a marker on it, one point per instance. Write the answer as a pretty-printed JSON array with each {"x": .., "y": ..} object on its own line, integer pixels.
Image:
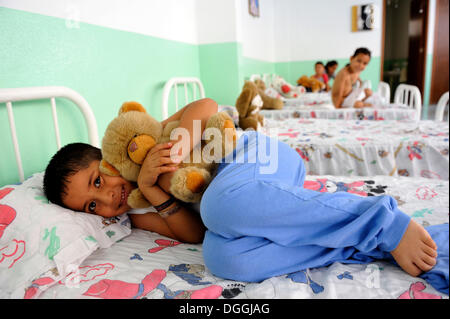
[
  {"x": 259, "y": 225},
  {"x": 330, "y": 69},
  {"x": 347, "y": 91},
  {"x": 321, "y": 74}
]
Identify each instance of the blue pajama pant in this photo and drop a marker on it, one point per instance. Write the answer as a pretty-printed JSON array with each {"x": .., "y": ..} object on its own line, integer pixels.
[{"x": 263, "y": 225}]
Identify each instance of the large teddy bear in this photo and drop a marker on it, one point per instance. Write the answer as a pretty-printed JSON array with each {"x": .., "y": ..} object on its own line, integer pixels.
[
  {"x": 132, "y": 134},
  {"x": 248, "y": 105}
]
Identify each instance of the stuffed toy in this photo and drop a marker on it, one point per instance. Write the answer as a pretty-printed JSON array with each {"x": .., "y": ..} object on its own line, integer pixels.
[
  {"x": 311, "y": 83},
  {"x": 248, "y": 105},
  {"x": 132, "y": 134},
  {"x": 269, "y": 103},
  {"x": 286, "y": 89}
]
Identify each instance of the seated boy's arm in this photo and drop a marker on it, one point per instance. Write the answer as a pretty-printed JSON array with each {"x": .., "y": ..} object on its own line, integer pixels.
[{"x": 337, "y": 93}]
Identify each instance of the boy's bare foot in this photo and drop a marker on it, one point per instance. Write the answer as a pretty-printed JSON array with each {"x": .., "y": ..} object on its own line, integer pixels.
[{"x": 416, "y": 251}]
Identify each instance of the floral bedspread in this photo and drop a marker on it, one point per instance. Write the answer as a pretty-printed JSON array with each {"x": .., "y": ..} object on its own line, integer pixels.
[
  {"x": 147, "y": 265},
  {"x": 367, "y": 148},
  {"x": 327, "y": 111}
]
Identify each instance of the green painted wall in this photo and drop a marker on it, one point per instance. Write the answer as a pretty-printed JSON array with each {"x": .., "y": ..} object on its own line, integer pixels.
[
  {"x": 106, "y": 66},
  {"x": 219, "y": 65},
  {"x": 427, "y": 87}
]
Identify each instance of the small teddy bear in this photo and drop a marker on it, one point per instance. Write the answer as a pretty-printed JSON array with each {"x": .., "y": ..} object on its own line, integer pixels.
[
  {"x": 133, "y": 133},
  {"x": 311, "y": 83},
  {"x": 248, "y": 105}
]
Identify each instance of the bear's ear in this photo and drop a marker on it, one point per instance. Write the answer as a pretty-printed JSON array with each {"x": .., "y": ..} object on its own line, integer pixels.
[
  {"x": 243, "y": 101},
  {"x": 131, "y": 106},
  {"x": 108, "y": 169}
]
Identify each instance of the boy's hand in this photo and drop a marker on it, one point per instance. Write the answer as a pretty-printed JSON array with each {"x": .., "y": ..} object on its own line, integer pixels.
[
  {"x": 358, "y": 104},
  {"x": 368, "y": 92},
  {"x": 156, "y": 162}
]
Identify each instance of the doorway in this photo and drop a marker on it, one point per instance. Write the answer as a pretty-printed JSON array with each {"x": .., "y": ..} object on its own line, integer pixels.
[
  {"x": 439, "y": 76},
  {"x": 405, "y": 37}
]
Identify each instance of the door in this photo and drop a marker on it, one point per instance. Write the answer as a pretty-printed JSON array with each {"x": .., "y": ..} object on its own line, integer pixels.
[
  {"x": 439, "y": 77},
  {"x": 417, "y": 43}
]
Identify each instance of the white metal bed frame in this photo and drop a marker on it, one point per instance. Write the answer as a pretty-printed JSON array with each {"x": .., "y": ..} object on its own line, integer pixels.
[
  {"x": 47, "y": 92},
  {"x": 174, "y": 82}
]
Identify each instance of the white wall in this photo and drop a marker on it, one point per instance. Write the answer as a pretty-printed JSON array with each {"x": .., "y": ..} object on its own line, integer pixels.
[
  {"x": 167, "y": 19},
  {"x": 216, "y": 21},
  {"x": 431, "y": 26},
  {"x": 320, "y": 30},
  {"x": 257, "y": 34},
  {"x": 287, "y": 30}
]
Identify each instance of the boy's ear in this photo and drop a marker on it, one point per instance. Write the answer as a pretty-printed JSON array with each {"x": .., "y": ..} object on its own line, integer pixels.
[{"x": 108, "y": 169}]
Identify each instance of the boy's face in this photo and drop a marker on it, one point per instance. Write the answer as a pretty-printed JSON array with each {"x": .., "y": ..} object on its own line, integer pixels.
[
  {"x": 91, "y": 191},
  {"x": 332, "y": 69},
  {"x": 359, "y": 62},
  {"x": 319, "y": 69}
]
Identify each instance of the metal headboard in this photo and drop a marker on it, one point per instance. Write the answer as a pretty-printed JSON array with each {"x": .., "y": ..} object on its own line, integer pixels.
[
  {"x": 47, "y": 92},
  {"x": 174, "y": 82}
]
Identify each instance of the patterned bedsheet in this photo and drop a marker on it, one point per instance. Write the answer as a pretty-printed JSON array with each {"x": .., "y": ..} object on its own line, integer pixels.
[
  {"x": 309, "y": 98},
  {"x": 327, "y": 111},
  {"x": 367, "y": 148},
  {"x": 147, "y": 265}
]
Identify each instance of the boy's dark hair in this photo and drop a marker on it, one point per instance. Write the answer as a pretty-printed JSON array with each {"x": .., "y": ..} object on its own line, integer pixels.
[
  {"x": 330, "y": 64},
  {"x": 318, "y": 62},
  {"x": 66, "y": 162},
  {"x": 362, "y": 51}
]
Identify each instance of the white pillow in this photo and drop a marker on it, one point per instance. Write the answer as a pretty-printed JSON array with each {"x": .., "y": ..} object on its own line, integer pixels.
[{"x": 41, "y": 243}]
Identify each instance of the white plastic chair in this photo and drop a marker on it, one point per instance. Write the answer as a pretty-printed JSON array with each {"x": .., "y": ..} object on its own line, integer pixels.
[
  {"x": 409, "y": 95},
  {"x": 442, "y": 104},
  {"x": 384, "y": 90}
]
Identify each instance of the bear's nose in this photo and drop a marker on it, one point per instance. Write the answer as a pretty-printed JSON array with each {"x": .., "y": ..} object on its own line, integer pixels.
[{"x": 139, "y": 146}]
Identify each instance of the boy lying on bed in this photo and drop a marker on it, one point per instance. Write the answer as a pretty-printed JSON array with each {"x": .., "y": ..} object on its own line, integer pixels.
[{"x": 259, "y": 225}]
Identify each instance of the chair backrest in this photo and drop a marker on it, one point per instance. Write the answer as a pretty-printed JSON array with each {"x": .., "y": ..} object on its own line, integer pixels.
[
  {"x": 384, "y": 90},
  {"x": 409, "y": 95},
  {"x": 442, "y": 104}
]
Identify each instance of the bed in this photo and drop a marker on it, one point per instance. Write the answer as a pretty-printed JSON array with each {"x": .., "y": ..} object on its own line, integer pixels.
[
  {"x": 49, "y": 252},
  {"x": 319, "y": 105},
  {"x": 327, "y": 111},
  {"x": 365, "y": 148}
]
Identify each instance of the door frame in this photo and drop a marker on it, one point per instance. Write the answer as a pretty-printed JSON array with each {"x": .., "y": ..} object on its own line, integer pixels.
[
  {"x": 434, "y": 65},
  {"x": 383, "y": 31}
]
